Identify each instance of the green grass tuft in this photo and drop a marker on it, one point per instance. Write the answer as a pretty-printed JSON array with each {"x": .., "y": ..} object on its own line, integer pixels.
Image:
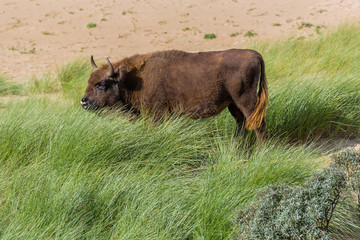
[
  {"x": 73, "y": 78},
  {"x": 70, "y": 80},
  {"x": 91, "y": 25},
  {"x": 9, "y": 88},
  {"x": 45, "y": 84},
  {"x": 250, "y": 33},
  {"x": 305, "y": 25},
  {"x": 209, "y": 36}
]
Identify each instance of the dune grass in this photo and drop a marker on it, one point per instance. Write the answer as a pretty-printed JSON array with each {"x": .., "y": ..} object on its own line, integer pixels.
[
  {"x": 9, "y": 88},
  {"x": 314, "y": 84},
  {"x": 70, "y": 79},
  {"x": 70, "y": 174},
  {"x": 66, "y": 173}
]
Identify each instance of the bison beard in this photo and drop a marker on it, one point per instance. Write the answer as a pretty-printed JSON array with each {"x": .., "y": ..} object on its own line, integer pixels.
[{"x": 197, "y": 84}]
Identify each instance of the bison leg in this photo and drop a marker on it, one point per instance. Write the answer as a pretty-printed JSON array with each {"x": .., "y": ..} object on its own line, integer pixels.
[
  {"x": 246, "y": 103},
  {"x": 240, "y": 119}
]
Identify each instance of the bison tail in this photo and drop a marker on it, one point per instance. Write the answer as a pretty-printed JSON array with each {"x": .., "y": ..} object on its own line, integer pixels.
[{"x": 255, "y": 120}]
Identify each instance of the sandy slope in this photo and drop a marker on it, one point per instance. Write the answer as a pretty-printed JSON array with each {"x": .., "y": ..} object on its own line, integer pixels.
[{"x": 38, "y": 35}]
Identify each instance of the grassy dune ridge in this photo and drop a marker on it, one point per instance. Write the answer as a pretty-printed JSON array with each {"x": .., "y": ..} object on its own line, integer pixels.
[{"x": 66, "y": 173}]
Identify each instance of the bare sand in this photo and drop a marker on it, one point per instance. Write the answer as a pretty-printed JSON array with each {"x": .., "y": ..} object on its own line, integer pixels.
[{"x": 39, "y": 35}]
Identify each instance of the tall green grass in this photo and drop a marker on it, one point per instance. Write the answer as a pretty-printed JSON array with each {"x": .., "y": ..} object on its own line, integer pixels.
[
  {"x": 70, "y": 174},
  {"x": 314, "y": 84},
  {"x": 70, "y": 79},
  {"x": 314, "y": 106}
]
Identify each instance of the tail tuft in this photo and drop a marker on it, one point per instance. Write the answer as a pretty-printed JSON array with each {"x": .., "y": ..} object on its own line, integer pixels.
[{"x": 256, "y": 118}]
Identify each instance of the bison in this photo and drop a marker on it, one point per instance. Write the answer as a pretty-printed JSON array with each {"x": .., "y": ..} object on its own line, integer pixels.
[{"x": 199, "y": 85}]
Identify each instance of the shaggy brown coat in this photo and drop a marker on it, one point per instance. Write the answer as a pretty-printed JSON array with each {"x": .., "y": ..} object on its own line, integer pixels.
[{"x": 197, "y": 84}]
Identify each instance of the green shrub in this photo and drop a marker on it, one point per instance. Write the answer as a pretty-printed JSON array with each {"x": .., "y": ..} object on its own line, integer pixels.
[
  {"x": 349, "y": 161},
  {"x": 283, "y": 212},
  {"x": 346, "y": 221}
]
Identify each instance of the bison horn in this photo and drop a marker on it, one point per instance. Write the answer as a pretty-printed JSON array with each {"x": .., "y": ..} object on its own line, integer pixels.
[
  {"x": 93, "y": 64},
  {"x": 111, "y": 71}
]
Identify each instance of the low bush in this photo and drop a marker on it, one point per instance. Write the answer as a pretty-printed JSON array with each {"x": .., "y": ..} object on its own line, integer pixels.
[
  {"x": 349, "y": 161},
  {"x": 346, "y": 221},
  {"x": 282, "y": 212},
  {"x": 305, "y": 212}
]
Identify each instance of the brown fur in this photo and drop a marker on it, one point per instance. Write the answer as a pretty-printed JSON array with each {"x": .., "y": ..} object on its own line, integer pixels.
[{"x": 197, "y": 84}]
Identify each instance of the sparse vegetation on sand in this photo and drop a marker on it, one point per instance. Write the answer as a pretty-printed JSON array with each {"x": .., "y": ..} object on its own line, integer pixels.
[
  {"x": 305, "y": 25},
  {"x": 234, "y": 34},
  {"x": 250, "y": 33},
  {"x": 91, "y": 25},
  {"x": 67, "y": 173},
  {"x": 209, "y": 36}
]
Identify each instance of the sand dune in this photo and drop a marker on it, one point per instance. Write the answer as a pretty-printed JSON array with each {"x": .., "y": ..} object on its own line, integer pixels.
[{"x": 38, "y": 35}]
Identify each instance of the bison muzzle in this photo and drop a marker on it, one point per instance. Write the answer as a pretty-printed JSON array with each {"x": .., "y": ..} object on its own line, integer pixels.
[{"x": 199, "y": 85}]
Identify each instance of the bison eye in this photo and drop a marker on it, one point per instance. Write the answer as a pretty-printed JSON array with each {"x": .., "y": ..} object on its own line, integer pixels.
[{"x": 101, "y": 87}]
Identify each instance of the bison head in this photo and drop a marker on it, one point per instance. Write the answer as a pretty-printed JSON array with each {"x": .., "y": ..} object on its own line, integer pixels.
[{"x": 104, "y": 86}]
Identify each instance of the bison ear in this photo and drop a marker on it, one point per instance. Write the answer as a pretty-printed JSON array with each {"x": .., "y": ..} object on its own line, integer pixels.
[{"x": 122, "y": 73}]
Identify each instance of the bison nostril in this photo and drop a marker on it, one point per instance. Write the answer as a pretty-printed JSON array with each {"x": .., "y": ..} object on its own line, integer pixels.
[{"x": 83, "y": 101}]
